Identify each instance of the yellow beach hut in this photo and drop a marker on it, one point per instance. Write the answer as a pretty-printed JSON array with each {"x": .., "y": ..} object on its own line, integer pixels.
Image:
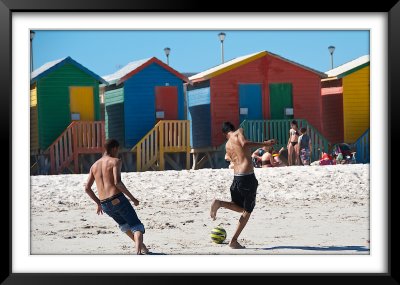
[{"x": 345, "y": 101}]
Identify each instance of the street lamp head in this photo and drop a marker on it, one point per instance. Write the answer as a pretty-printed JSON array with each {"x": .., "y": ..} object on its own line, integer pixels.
[
  {"x": 221, "y": 36},
  {"x": 32, "y": 35},
  {"x": 331, "y": 49},
  {"x": 167, "y": 51}
]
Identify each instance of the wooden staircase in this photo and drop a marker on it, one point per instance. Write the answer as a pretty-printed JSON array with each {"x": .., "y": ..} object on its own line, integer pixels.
[
  {"x": 167, "y": 136},
  {"x": 362, "y": 148},
  {"x": 259, "y": 130},
  {"x": 80, "y": 137}
]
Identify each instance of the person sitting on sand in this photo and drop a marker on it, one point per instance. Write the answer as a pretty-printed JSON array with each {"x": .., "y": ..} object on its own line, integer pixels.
[
  {"x": 106, "y": 172},
  {"x": 271, "y": 158},
  {"x": 276, "y": 155},
  {"x": 267, "y": 157},
  {"x": 257, "y": 156},
  {"x": 326, "y": 159},
  {"x": 244, "y": 187}
]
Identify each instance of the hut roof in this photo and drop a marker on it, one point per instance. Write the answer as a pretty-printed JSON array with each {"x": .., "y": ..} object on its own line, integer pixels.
[
  {"x": 135, "y": 66},
  {"x": 49, "y": 67},
  {"x": 239, "y": 61},
  {"x": 349, "y": 67}
]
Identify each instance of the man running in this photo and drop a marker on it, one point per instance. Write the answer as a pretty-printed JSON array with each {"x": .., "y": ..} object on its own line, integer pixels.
[
  {"x": 107, "y": 173},
  {"x": 244, "y": 186}
]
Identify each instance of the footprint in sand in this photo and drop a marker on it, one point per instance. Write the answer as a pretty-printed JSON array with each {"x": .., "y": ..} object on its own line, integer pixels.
[{"x": 69, "y": 237}]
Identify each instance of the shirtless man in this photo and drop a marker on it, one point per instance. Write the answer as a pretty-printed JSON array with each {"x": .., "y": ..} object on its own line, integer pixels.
[
  {"x": 107, "y": 173},
  {"x": 244, "y": 186}
]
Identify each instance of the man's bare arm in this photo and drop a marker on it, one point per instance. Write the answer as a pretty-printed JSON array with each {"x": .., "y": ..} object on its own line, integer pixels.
[
  {"x": 88, "y": 187},
  {"x": 89, "y": 191},
  {"x": 120, "y": 185},
  {"x": 249, "y": 144}
]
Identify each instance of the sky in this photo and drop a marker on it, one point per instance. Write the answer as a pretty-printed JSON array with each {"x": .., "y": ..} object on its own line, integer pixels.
[{"x": 104, "y": 52}]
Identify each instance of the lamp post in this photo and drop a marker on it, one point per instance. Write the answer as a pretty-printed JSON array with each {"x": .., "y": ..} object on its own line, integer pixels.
[
  {"x": 222, "y": 38},
  {"x": 167, "y": 50},
  {"x": 331, "y": 50},
  {"x": 32, "y": 36}
]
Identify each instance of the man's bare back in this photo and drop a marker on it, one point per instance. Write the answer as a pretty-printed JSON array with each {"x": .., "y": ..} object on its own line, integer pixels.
[
  {"x": 239, "y": 153},
  {"x": 105, "y": 172}
]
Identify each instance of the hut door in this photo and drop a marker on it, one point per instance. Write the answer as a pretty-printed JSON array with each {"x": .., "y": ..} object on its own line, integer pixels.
[
  {"x": 166, "y": 103},
  {"x": 281, "y": 101},
  {"x": 250, "y": 102},
  {"x": 81, "y": 103}
]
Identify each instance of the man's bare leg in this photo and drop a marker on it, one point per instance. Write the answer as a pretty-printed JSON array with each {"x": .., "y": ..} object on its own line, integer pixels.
[
  {"x": 242, "y": 223},
  {"x": 144, "y": 249},
  {"x": 138, "y": 236},
  {"x": 216, "y": 204}
]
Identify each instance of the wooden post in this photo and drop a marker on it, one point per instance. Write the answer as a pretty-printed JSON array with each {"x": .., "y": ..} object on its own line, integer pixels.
[
  {"x": 161, "y": 137},
  {"x": 195, "y": 157},
  {"x": 187, "y": 144},
  {"x": 65, "y": 140},
  {"x": 139, "y": 158},
  {"x": 52, "y": 161},
  {"x": 75, "y": 148},
  {"x": 103, "y": 134},
  {"x": 70, "y": 153}
]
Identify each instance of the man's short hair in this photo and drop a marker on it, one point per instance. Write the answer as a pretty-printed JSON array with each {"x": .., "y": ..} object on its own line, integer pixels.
[
  {"x": 303, "y": 130},
  {"x": 227, "y": 127},
  {"x": 110, "y": 144}
]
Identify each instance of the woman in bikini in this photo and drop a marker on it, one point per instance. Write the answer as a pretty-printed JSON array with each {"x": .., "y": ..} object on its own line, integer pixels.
[{"x": 293, "y": 146}]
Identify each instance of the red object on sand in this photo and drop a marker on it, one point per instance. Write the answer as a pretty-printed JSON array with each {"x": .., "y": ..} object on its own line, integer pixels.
[{"x": 325, "y": 156}]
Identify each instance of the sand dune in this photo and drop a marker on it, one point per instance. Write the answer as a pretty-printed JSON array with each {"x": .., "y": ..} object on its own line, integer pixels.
[{"x": 299, "y": 210}]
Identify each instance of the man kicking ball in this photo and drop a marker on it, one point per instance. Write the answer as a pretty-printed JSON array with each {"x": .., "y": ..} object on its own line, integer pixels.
[
  {"x": 244, "y": 185},
  {"x": 106, "y": 172}
]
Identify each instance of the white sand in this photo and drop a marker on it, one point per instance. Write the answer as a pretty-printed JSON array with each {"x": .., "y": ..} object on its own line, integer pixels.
[{"x": 299, "y": 210}]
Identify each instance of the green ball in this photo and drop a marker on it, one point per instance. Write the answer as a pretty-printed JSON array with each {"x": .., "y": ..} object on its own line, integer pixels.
[{"x": 218, "y": 234}]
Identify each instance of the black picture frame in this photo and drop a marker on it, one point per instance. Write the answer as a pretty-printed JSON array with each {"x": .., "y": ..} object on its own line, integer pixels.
[{"x": 8, "y": 7}]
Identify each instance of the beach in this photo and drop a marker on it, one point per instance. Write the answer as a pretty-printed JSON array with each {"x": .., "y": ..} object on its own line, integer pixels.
[{"x": 299, "y": 210}]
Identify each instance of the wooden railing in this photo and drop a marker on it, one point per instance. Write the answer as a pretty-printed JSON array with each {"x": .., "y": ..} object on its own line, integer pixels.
[
  {"x": 362, "y": 148},
  {"x": 79, "y": 137},
  {"x": 61, "y": 151},
  {"x": 167, "y": 136},
  {"x": 259, "y": 130},
  {"x": 147, "y": 149},
  {"x": 90, "y": 136}
]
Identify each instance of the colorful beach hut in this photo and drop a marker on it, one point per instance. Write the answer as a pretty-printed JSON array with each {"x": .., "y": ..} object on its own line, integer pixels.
[
  {"x": 62, "y": 92},
  {"x": 140, "y": 94},
  {"x": 345, "y": 101},
  {"x": 257, "y": 86}
]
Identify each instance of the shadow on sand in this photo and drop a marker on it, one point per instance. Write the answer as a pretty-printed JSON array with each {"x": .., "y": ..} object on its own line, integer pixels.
[
  {"x": 317, "y": 248},
  {"x": 156, "y": 253}
]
